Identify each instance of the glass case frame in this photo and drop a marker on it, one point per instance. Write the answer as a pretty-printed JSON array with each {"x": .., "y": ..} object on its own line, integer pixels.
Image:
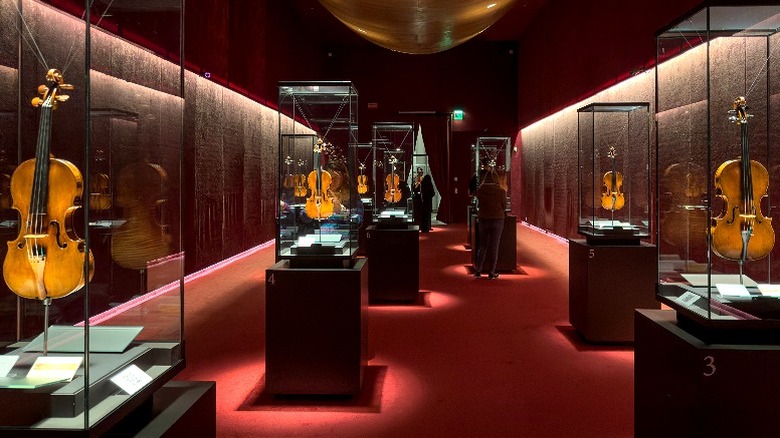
[
  {"x": 320, "y": 211},
  {"x": 716, "y": 103},
  {"x": 106, "y": 167},
  {"x": 495, "y": 153},
  {"x": 614, "y": 171},
  {"x": 393, "y": 144}
]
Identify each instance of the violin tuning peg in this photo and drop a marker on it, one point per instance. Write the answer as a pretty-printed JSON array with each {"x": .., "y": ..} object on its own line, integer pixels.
[
  {"x": 66, "y": 86},
  {"x": 43, "y": 89},
  {"x": 61, "y": 98},
  {"x": 37, "y": 101}
]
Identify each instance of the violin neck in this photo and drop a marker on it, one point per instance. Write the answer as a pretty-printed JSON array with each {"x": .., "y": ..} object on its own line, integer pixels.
[
  {"x": 40, "y": 191},
  {"x": 747, "y": 177},
  {"x": 614, "y": 175}
]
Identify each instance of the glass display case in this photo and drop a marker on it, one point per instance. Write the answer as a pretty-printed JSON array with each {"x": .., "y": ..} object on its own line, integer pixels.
[
  {"x": 320, "y": 210},
  {"x": 717, "y": 76},
  {"x": 91, "y": 124},
  {"x": 614, "y": 171},
  {"x": 493, "y": 153},
  {"x": 393, "y": 153}
]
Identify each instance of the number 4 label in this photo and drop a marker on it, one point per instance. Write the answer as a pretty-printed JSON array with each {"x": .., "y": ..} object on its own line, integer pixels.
[{"x": 271, "y": 280}]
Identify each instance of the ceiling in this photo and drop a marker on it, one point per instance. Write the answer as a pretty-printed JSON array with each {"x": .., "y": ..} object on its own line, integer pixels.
[{"x": 330, "y": 30}]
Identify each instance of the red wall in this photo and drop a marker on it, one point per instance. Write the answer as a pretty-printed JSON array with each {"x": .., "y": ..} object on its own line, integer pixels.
[{"x": 575, "y": 48}]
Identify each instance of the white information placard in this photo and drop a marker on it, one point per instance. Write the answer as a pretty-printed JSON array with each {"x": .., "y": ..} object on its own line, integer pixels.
[
  {"x": 688, "y": 298},
  {"x": 770, "y": 290},
  {"x": 131, "y": 379},
  {"x": 55, "y": 367},
  {"x": 732, "y": 290},
  {"x": 6, "y": 363}
]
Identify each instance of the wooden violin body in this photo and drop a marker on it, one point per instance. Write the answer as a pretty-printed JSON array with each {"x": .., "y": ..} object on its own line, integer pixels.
[
  {"x": 300, "y": 185},
  {"x": 99, "y": 192},
  {"x": 739, "y": 215},
  {"x": 319, "y": 205},
  {"x": 392, "y": 192},
  {"x": 144, "y": 236},
  {"x": 362, "y": 184},
  {"x": 612, "y": 197},
  {"x": 46, "y": 260},
  {"x": 741, "y": 233},
  {"x": 684, "y": 215}
]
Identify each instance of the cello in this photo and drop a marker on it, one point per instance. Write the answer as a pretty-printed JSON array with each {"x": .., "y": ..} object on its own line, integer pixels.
[
  {"x": 46, "y": 260},
  {"x": 612, "y": 197},
  {"x": 741, "y": 232},
  {"x": 319, "y": 205}
]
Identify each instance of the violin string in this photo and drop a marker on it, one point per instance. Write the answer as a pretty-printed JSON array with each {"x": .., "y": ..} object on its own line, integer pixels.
[{"x": 29, "y": 39}]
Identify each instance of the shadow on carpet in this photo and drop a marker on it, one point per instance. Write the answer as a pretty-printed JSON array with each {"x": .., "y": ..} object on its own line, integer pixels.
[
  {"x": 368, "y": 400},
  {"x": 582, "y": 344}
]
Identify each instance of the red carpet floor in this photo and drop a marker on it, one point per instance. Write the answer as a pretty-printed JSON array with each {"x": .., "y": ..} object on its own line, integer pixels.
[{"x": 487, "y": 358}]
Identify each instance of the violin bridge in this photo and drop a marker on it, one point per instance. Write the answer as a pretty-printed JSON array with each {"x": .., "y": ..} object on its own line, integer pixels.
[{"x": 35, "y": 236}]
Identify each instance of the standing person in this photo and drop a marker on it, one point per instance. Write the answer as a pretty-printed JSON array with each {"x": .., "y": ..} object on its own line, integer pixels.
[
  {"x": 427, "y": 192},
  {"x": 417, "y": 196},
  {"x": 491, "y": 199}
]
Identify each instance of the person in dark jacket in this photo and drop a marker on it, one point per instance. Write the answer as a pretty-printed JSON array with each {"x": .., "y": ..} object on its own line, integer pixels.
[
  {"x": 491, "y": 200},
  {"x": 427, "y": 192}
]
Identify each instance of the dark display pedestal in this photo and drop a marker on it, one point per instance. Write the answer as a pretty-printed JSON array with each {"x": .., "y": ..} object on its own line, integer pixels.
[
  {"x": 684, "y": 387},
  {"x": 606, "y": 283},
  {"x": 183, "y": 409},
  {"x": 316, "y": 329},
  {"x": 394, "y": 272},
  {"x": 507, "y": 249}
]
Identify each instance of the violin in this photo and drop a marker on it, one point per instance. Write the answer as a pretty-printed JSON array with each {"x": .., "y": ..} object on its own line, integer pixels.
[
  {"x": 392, "y": 192},
  {"x": 99, "y": 187},
  {"x": 362, "y": 181},
  {"x": 741, "y": 232},
  {"x": 612, "y": 197},
  {"x": 144, "y": 236},
  {"x": 684, "y": 215},
  {"x": 319, "y": 205},
  {"x": 46, "y": 261},
  {"x": 99, "y": 196},
  {"x": 299, "y": 180}
]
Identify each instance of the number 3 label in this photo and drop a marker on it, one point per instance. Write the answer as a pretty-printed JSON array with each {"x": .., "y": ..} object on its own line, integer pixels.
[{"x": 709, "y": 366}]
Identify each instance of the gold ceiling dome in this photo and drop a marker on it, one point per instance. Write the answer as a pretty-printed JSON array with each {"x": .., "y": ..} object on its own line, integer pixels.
[{"x": 418, "y": 26}]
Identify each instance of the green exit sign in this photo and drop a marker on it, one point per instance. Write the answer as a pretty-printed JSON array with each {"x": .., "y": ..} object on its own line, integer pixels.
[{"x": 457, "y": 115}]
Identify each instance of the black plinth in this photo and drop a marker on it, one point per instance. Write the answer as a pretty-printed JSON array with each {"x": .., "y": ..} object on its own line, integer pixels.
[
  {"x": 606, "y": 284},
  {"x": 507, "y": 249},
  {"x": 394, "y": 270},
  {"x": 316, "y": 329},
  {"x": 684, "y": 387}
]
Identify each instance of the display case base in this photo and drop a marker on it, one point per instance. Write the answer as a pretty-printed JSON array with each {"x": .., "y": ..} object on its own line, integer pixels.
[
  {"x": 685, "y": 387},
  {"x": 394, "y": 269},
  {"x": 316, "y": 329},
  {"x": 507, "y": 249},
  {"x": 606, "y": 284}
]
